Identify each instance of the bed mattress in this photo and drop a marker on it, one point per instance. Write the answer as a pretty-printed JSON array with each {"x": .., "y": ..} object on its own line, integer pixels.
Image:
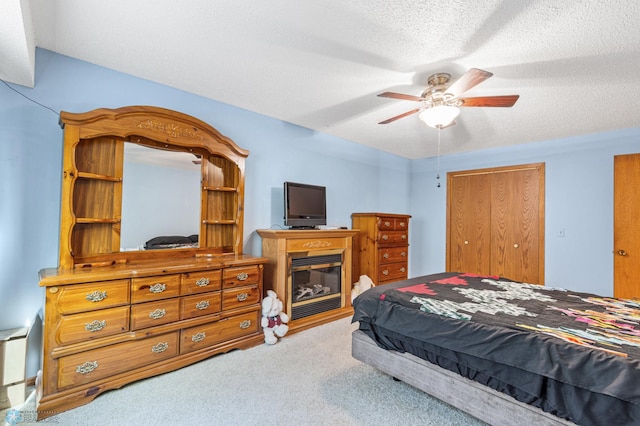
[{"x": 574, "y": 355}]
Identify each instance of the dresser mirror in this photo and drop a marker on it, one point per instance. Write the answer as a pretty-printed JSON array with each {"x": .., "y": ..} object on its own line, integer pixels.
[
  {"x": 113, "y": 203},
  {"x": 160, "y": 197}
]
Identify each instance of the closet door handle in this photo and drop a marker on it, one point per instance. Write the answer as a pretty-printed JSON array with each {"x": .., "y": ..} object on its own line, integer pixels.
[{"x": 622, "y": 252}]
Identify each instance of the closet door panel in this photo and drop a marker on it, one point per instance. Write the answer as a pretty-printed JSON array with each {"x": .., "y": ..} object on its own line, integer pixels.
[
  {"x": 470, "y": 224},
  {"x": 515, "y": 225}
]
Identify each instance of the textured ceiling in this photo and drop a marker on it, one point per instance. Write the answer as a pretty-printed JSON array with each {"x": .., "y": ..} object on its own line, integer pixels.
[{"x": 320, "y": 64}]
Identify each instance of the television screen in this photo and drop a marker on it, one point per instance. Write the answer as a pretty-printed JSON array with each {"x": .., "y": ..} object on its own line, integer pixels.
[{"x": 304, "y": 205}]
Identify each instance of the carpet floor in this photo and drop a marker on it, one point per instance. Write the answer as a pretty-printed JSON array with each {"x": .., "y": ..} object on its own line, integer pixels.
[{"x": 307, "y": 378}]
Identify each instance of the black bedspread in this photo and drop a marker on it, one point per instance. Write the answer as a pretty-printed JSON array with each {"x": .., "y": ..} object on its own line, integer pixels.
[{"x": 575, "y": 355}]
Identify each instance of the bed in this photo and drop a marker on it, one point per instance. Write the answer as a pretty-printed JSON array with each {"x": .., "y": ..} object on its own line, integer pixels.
[{"x": 506, "y": 352}]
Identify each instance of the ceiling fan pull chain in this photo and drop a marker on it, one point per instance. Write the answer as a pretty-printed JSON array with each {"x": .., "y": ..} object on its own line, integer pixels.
[{"x": 438, "y": 172}]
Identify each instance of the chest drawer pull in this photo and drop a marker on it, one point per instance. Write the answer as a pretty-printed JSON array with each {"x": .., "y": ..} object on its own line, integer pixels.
[
  {"x": 402, "y": 270},
  {"x": 158, "y": 288},
  {"x": 157, "y": 314},
  {"x": 245, "y": 324},
  {"x": 385, "y": 237},
  {"x": 385, "y": 272},
  {"x": 242, "y": 277},
  {"x": 96, "y": 296},
  {"x": 386, "y": 255},
  {"x": 202, "y": 305},
  {"x": 87, "y": 367},
  {"x": 242, "y": 297},
  {"x": 404, "y": 236},
  {"x": 95, "y": 325},
  {"x": 403, "y": 254},
  {"x": 198, "y": 337},
  {"x": 202, "y": 282},
  {"x": 387, "y": 223},
  {"x": 160, "y": 347}
]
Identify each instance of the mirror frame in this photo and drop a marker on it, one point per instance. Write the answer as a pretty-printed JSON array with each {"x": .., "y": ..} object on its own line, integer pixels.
[{"x": 96, "y": 139}]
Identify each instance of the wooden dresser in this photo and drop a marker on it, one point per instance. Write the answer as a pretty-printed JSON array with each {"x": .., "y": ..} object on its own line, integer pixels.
[
  {"x": 114, "y": 316},
  {"x": 381, "y": 248}
]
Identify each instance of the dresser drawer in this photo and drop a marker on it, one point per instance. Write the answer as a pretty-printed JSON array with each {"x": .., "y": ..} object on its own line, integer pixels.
[
  {"x": 201, "y": 282},
  {"x": 393, "y": 254},
  {"x": 393, "y": 224},
  {"x": 85, "y": 367},
  {"x": 200, "y": 304},
  {"x": 87, "y": 297},
  {"x": 154, "y": 288},
  {"x": 392, "y": 272},
  {"x": 199, "y": 337},
  {"x": 393, "y": 237},
  {"x": 92, "y": 325},
  {"x": 148, "y": 314},
  {"x": 241, "y": 276},
  {"x": 239, "y": 297}
]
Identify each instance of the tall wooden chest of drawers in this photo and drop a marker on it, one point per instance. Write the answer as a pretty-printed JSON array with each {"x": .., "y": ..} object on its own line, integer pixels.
[{"x": 381, "y": 248}]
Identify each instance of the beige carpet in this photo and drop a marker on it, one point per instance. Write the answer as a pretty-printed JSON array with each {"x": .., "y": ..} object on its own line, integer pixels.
[{"x": 307, "y": 378}]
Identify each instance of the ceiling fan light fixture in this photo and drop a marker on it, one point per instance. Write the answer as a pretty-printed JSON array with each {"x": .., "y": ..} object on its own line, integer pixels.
[{"x": 439, "y": 116}]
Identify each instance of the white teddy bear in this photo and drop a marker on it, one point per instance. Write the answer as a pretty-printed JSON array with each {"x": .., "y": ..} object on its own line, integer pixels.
[
  {"x": 273, "y": 319},
  {"x": 363, "y": 284}
]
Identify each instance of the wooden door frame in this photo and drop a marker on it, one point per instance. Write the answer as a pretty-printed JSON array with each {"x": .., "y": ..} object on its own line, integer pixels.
[{"x": 541, "y": 206}]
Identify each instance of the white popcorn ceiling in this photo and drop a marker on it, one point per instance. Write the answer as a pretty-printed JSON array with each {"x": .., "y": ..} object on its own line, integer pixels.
[{"x": 320, "y": 64}]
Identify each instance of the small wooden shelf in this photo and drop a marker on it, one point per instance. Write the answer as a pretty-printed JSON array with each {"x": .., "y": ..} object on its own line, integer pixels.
[
  {"x": 220, "y": 188},
  {"x": 96, "y": 220},
  {"x": 85, "y": 175},
  {"x": 219, "y": 222}
]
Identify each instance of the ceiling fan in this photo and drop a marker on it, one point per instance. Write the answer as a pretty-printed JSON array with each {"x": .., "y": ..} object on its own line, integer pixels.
[{"x": 440, "y": 101}]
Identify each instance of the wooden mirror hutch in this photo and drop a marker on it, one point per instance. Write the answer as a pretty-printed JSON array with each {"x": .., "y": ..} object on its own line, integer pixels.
[{"x": 114, "y": 316}]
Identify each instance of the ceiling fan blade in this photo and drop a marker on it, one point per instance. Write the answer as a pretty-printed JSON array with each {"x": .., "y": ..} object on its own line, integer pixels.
[
  {"x": 400, "y": 96},
  {"x": 397, "y": 117},
  {"x": 470, "y": 79},
  {"x": 490, "y": 101}
]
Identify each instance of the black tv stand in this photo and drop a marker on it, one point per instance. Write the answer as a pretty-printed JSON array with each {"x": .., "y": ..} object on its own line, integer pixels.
[{"x": 299, "y": 228}]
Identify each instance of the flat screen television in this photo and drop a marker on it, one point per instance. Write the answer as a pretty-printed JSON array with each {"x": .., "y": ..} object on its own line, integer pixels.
[{"x": 305, "y": 206}]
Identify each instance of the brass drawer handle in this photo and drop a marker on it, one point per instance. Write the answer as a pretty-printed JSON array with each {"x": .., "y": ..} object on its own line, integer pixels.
[
  {"x": 402, "y": 269},
  {"x": 198, "y": 337},
  {"x": 242, "y": 276},
  {"x": 385, "y": 272},
  {"x": 204, "y": 304},
  {"x": 157, "y": 314},
  {"x": 386, "y": 255},
  {"x": 96, "y": 296},
  {"x": 160, "y": 347},
  {"x": 385, "y": 237},
  {"x": 403, "y": 254},
  {"x": 404, "y": 236},
  {"x": 87, "y": 367},
  {"x": 403, "y": 224},
  {"x": 202, "y": 282},
  {"x": 158, "y": 288},
  {"x": 387, "y": 223},
  {"x": 242, "y": 297},
  {"x": 245, "y": 324},
  {"x": 95, "y": 325}
]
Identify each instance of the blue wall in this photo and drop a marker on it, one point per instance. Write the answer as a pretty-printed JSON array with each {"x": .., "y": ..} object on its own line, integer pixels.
[
  {"x": 357, "y": 177},
  {"x": 578, "y": 200},
  {"x": 579, "y": 179}
]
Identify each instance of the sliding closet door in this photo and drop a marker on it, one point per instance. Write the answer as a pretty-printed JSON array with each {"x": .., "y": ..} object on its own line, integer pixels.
[
  {"x": 470, "y": 223},
  {"x": 495, "y": 222}
]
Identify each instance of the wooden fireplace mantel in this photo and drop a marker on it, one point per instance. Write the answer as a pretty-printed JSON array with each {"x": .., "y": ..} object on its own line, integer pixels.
[{"x": 280, "y": 246}]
